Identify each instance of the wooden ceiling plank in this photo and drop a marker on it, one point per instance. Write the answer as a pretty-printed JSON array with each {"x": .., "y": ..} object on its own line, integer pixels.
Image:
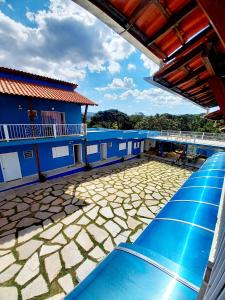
[
  {"x": 189, "y": 44},
  {"x": 196, "y": 85},
  {"x": 179, "y": 63},
  {"x": 191, "y": 75},
  {"x": 173, "y": 21}
]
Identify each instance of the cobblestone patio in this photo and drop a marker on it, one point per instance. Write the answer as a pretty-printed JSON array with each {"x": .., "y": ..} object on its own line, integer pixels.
[{"x": 53, "y": 234}]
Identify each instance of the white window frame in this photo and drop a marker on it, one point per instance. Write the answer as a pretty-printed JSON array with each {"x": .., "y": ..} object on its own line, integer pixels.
[
  {"x": 122, "y": 146},
  {"x": 136, "y": 145},
  {"x": 24, "y": 154},
  {"x": 92, "y": 149},
  {"x": 60, "y": 151}
]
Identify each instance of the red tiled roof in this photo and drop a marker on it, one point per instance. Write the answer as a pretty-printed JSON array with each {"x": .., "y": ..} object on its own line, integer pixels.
[
  {"x": 36, "y": 76},
  {"x": 21, "y": 88}
]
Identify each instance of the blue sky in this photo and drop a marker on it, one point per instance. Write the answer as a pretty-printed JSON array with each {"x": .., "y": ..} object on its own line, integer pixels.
[{"x": 60, "y": 39}]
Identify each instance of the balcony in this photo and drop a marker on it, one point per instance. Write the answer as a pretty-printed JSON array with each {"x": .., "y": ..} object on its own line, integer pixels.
[
  {"x": 13, "y": 132},
  {"x": 199, "y": 138}
]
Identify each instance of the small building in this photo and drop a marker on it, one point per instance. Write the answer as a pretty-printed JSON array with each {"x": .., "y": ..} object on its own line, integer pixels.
[{"x": 42, "y": 133}]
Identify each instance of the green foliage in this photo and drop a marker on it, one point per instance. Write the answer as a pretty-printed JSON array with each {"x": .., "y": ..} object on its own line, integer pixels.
[
  {"x": 111, "y": 118},
  {"x": 118, "y": 120}
]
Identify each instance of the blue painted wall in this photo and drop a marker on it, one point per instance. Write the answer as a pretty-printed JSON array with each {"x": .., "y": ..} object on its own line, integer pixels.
[
  {"x": 10, "y": 114},
  {"x": 47, "y": 162},
  {"x": 28, "y": 165},
  {"x": 113, "y": 150}
]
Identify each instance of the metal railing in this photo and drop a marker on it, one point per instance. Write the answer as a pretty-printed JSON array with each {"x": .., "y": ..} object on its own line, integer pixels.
[
  {"x": 9, "y": 132},
  {"x": 194, "y": 136}
]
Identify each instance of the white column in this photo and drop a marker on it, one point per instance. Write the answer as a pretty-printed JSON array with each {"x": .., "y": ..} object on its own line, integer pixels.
[
  {"x": 54, "y": 130},
  {"x": 5, "y": 128}
]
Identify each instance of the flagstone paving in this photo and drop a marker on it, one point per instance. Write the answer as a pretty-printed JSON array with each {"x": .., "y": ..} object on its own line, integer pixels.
[{"x": 53, "y": 234}]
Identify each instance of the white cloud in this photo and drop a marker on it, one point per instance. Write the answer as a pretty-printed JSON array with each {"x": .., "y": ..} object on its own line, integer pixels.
[
  {"x": 149, "y": 64},
  {"x": 110, "y": 96},
  {"x": 65, "y": 43},
  {"x": 131, "y": 67},
  {"x": 114, "y": 67},
  {"x": 155, "y": 96},
  {"x": 118, "y": 83},
  {"x": 117, "y": 48}
]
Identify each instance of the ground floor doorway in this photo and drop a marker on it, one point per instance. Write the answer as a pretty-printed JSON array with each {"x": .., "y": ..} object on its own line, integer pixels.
[{"x": 77, "y": 149}]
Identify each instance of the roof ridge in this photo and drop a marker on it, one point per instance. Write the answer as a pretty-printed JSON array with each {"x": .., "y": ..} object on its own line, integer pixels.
[
  {"x": 33, "y": 83},
  {"x": 37, "y": 76}
]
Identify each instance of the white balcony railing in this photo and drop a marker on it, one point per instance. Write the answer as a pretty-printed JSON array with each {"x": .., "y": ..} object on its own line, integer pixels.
[
  {"x": 10, "y": 132},
  {"x": 201, "y": 138},
  {"x": 193, "y": 135}
]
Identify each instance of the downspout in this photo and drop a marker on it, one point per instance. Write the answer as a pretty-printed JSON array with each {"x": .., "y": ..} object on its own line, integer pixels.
[
  {"x": 85, "y": 131},
  {"x": 31, "y": 117}
]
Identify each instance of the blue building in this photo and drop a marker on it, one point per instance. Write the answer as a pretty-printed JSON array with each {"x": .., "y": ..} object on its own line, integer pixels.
[{"x": 43, "y": 132}]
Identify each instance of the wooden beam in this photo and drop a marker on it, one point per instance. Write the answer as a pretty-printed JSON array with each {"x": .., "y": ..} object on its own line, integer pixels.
[
  {"x": 204, "y": 96},
  {"x": 85, "y": 114},
  {"x": 173, "y": 66},
  {"x": 215, "y": 12},
  {"x": 195, "y": 86},
  {"x": 208, "y": 65},
  {"x": 203, "y": 91},
  {"x": 218, "y": 89},
  {"x": 173, "y": 21},
  {"x": 203, "y": 99},
  {"x": 188, "y": 45},
  {"x": 167, "y": 14},
  {"x": 190, "y": 76}
]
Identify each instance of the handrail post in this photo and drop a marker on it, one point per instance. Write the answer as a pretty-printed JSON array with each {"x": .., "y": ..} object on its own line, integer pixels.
[
  {"x": 85, "y": 128},
  {"x": 54, "y": 130},
  {"x": 6, "y": 132}
]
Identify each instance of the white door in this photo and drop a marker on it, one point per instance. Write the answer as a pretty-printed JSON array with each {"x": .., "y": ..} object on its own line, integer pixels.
[
  {"x": 104, "y": 151},
  {"x": 10, "y": 166},
  {"x": 142, "y": 146},
  {"x": 129, "y": 148}
]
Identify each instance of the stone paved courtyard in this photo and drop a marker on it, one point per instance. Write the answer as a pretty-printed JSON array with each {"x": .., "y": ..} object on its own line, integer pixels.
[{"x": 53, "y": 234}]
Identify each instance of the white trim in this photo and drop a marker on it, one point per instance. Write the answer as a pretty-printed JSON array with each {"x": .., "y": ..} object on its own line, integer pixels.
[
  {"x": 196, "y": 201},
  {"x": 60, "y": 151},
  {"x": 185, "y": 222},
  {"x": 92, "y": 149},
  {"x": 122, "y": 146},
  {"x": 160, "y": 267},
  {"x": 200, "y": 186}
]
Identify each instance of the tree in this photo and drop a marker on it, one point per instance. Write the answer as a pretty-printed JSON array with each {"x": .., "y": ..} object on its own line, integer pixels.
[
  {"x": 111, "y": 118},
  {"x": 118, "y": 120}
]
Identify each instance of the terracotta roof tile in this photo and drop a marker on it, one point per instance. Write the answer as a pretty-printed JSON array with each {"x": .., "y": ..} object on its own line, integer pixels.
[{"x": 22, "y": 88}]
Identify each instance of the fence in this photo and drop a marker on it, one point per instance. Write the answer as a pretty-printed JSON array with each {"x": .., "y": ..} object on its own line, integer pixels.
[{"x": 36, "y": 131}]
